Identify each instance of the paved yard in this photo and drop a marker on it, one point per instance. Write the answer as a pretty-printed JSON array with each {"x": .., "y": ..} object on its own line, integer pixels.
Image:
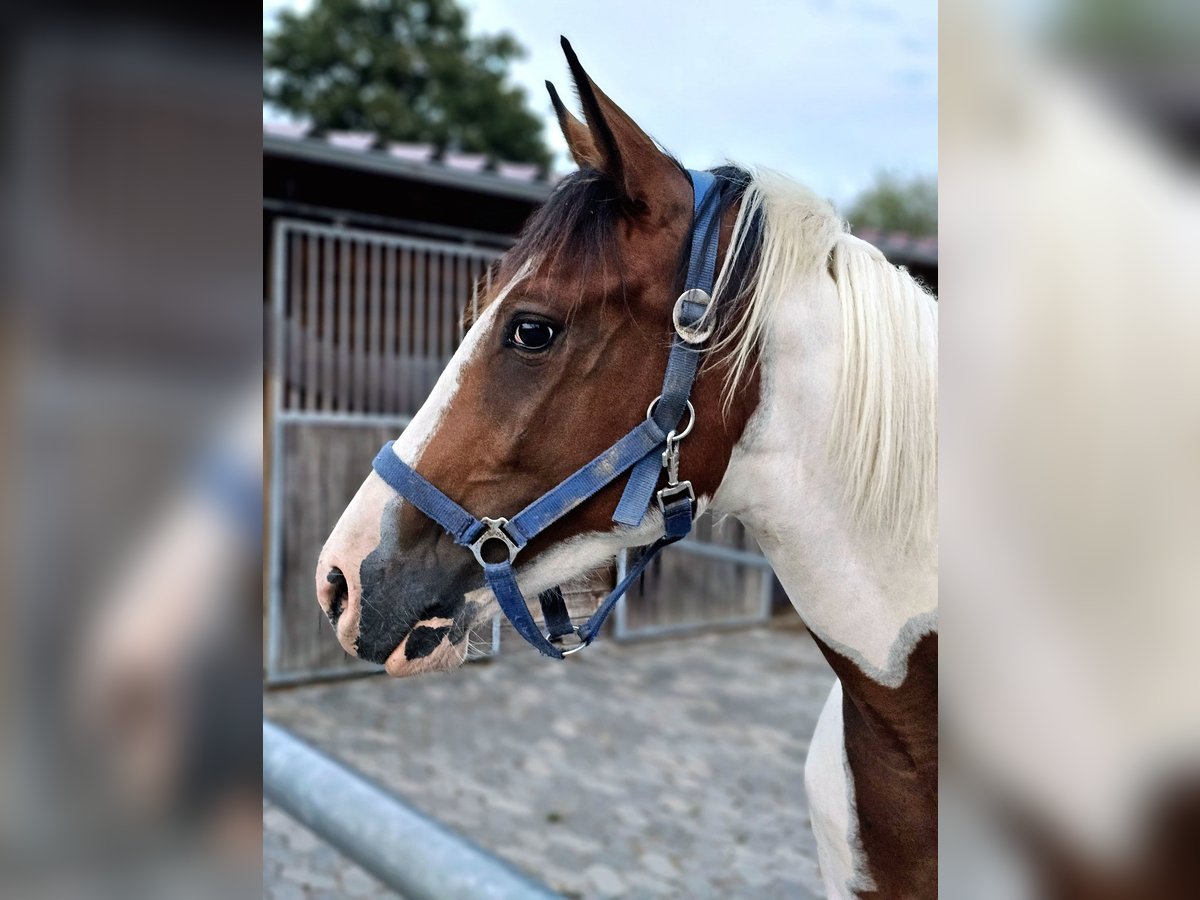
[{"x": 684, "y": 759}]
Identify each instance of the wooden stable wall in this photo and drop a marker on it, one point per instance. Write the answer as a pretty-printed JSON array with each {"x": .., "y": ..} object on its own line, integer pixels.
[{"x": 324, "y": 465}]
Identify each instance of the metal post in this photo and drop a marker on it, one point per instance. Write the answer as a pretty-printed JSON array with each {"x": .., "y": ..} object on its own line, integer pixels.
[
  {"x": 621, "y": 625},
  {"x": 410, "y": 853},
  {"x": 275, "y": 481}
]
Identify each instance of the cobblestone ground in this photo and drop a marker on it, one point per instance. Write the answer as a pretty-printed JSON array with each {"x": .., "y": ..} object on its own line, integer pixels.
[{"x": 655, "y": 769}]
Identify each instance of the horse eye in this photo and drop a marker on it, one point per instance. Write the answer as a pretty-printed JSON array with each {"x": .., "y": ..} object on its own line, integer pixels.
[{"x": 532, "y": 335}]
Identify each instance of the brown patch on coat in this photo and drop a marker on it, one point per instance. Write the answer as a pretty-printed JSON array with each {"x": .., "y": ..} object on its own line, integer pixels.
[{"x": 891, "y": 738}]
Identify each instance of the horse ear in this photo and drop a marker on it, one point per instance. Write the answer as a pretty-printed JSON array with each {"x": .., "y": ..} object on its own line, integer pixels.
[
  {"x": 622, "y": 151},
  {"x": 579, "y": 139}
]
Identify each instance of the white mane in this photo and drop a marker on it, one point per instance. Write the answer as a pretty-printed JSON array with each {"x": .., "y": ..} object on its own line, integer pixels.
[{"x": 883, "y": 437}]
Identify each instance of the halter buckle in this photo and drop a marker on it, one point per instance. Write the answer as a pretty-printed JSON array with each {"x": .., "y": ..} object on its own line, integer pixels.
[
  {"x": 671, "y": 491},
  {"x": 687, "y": 331},
  {"x": 495, "y": 532}
]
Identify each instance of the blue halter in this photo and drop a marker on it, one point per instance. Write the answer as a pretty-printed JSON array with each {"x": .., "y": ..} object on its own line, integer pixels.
[{"x": 650, "y": 447}]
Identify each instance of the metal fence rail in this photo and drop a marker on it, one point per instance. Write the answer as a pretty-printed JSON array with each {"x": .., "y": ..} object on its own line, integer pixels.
[
  {"x": 410, "y": 853},
  {"x": 715, "y": 578}
]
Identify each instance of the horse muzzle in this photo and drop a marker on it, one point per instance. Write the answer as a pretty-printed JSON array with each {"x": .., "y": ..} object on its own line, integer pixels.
[{"x": 406, "y": 621}]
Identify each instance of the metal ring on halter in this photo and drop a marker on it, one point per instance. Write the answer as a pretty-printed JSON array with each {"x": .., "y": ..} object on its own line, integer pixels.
[
  {"x": 690, "y": 334},
  {"x": 495, "y": 532},
  {"x": 578, "y": 633},
  {"x": 691, "y": 419}
]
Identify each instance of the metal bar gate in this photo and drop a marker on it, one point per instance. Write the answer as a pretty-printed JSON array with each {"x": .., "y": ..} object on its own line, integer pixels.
[{"x": 362, "y": 325}]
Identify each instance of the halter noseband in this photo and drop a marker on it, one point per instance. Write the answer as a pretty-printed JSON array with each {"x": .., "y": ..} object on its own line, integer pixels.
[{"x": 650, "y": 447}]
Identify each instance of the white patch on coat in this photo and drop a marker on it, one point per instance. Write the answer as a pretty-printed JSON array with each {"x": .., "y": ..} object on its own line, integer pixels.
[
  {"x": 829, "y": 784},
  {"x": 851, "y": 585}
]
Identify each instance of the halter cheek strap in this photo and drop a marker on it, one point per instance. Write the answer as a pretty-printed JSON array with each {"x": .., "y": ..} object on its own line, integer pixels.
[{"x": 650, "y": 447}]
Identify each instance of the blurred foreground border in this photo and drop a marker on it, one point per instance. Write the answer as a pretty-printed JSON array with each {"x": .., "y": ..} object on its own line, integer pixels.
[
  {"x": 1070, "y": 478},
  {"x": 131, "y": 328}
]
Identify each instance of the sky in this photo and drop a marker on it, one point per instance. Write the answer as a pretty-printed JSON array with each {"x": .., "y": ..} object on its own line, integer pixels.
[{"x": 829, "y": 91}]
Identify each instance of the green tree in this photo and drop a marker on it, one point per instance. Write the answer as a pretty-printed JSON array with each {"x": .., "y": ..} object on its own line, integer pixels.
[
  {"x": 894, "y": 203},
  {"x": 406, "y": 70}
]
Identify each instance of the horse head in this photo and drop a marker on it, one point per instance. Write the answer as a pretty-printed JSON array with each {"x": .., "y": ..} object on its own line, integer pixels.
[{"x": 566, "y": 352}]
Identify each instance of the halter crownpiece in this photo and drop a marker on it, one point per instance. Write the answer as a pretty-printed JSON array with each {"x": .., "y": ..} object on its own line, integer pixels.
[{"x": 652, "y": 446}]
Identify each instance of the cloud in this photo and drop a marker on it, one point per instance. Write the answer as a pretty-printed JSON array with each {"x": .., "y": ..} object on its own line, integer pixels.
[{"x": 819, "y": 90}]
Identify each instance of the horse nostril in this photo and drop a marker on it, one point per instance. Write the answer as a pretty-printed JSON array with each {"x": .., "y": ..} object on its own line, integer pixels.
[{"x": 341, "y": 591}]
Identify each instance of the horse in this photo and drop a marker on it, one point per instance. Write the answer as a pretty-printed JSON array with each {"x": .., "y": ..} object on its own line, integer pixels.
[{"x": 813, "y": 421}]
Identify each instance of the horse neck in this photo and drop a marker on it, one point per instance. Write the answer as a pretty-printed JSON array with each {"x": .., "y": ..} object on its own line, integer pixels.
[{"x": 860, "y": 597}]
